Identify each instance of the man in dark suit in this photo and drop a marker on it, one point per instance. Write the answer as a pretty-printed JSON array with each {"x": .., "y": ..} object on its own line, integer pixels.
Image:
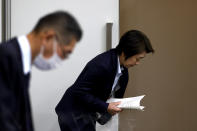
[
  {"x": 50, "y": 42},
  {"x": 103, "y": 77}
]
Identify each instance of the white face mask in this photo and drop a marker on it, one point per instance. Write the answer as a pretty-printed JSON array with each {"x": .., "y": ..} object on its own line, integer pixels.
[{"x": 47, "y": 64}]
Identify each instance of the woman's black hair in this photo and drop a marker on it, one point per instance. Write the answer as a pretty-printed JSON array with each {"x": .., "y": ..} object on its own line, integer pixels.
[{"x": 134, "y": 42}]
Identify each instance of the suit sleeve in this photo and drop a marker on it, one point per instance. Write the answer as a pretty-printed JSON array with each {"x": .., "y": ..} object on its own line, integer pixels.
[
  {"x": 85, "y": 85},
  {"x": 7, "y": 119}
]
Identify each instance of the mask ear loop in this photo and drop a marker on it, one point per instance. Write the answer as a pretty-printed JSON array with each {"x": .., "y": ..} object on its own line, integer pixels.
[
  {"x": 54, "y": 46},
  {"x": 58, "y": 59},
  {"x": 54, "y": 49},
  {"x": 42, "y": 51}
]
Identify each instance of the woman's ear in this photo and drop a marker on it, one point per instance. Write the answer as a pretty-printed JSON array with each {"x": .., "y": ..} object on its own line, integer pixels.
[{"x": 123, "y": 56}]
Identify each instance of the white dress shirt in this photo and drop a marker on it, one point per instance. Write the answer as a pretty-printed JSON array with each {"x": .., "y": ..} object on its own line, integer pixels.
[
  {"x": 25, "y": 53},
  {"x": 118, "y": 74}
]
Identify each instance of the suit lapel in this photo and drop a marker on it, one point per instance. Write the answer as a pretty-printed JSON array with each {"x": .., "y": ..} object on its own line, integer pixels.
[{"x": 113, "y": 68}]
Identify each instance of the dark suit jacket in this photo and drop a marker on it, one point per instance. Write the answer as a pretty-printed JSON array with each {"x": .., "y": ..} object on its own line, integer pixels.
[
  {"x": 93, "y": 87},
  {"x": 15, "y": 113}
]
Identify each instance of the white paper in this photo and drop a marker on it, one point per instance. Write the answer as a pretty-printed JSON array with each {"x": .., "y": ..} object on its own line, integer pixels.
[{"x": 129, "y": 103}]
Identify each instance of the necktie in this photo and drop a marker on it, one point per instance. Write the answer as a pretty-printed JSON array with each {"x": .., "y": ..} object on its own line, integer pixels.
[{"x": 116, "y": 88}]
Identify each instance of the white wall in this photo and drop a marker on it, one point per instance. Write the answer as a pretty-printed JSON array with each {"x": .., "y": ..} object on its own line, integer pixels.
[{"x": 47, "y": 88}]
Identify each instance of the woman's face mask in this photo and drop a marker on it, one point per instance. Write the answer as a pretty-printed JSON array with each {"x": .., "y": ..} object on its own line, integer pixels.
[{"x": 48, "y": 63}]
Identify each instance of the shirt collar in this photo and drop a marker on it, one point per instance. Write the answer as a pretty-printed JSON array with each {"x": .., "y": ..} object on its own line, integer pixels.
[
  {"x": 119, "y": 70},
  {"x": 25, "y": 53}
]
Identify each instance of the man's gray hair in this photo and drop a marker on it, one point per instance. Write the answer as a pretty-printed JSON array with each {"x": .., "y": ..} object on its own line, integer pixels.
[{"x": 63, "y": 23}]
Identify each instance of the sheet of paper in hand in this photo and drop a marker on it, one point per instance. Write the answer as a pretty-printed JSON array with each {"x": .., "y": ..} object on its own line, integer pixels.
[{"x": 129, "y": 103}]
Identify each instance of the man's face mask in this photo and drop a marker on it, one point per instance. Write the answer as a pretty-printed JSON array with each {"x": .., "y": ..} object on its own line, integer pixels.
[{"x": 48, "y": 63}]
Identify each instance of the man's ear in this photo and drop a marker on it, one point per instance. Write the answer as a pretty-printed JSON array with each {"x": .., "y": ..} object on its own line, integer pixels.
[{"x": 48, "y": 36}]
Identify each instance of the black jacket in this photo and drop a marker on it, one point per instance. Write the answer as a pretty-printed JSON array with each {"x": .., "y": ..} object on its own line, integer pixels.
[{"x": 15, "y": 112}]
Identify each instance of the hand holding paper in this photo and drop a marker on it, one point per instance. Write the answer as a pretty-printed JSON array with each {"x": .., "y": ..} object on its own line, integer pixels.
[
  {"x": 113, "y": 108},
  {"x": 129, "y": 103}
]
